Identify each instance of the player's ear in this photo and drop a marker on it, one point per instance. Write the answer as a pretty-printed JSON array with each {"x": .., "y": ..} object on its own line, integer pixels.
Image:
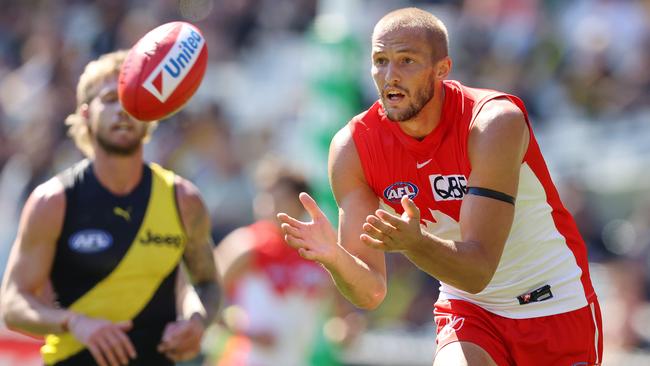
[{"x": 443, "y": 67}]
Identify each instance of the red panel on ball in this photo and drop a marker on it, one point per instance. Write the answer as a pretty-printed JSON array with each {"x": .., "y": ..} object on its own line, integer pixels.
[{"x": 162, "y": 71}]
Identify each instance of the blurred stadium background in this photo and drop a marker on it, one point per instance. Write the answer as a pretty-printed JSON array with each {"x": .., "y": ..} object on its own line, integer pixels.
[{"x": 284, "y": 75}]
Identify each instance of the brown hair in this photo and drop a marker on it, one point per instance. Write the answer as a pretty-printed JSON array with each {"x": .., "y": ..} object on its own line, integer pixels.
[{"x": 95, "y": 73}]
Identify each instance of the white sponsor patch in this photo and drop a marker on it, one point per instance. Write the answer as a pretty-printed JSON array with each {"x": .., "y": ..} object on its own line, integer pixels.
[
  {"x": 448, "y": 187},
  {"x": 178, "y": 62}
]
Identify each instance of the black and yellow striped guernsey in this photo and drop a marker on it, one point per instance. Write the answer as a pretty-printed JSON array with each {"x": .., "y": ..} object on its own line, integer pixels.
[{"x": 117, "y": 259}]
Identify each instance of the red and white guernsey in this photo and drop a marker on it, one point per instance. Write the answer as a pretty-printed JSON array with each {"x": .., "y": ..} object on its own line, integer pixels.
[{"x": 544, "y": 246}]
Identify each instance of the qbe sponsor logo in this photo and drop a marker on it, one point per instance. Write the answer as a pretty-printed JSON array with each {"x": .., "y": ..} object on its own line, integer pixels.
[{"x": 448, "y": 187}]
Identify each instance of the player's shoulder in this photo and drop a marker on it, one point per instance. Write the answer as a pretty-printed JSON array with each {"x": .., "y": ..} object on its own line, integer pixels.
[
  {"x": 344, "y": 163},
  {"x": 74, "y": 174},
  {"x": 52, "y": 189},
  {"x": 343, "y": 150},
  {"x": 234, "y": 254},
  {"x": 344, "y": 139},
  {"x": 368, "y": 118},
  {"x": 187, "y": 193},
  {"x": 237, "y": 243},
  {"x": 501, "y": 113},
  {"x": 500, "y": 124},
  {"x": 47, "y": 200},
  {"x": 191, "y": 208}
]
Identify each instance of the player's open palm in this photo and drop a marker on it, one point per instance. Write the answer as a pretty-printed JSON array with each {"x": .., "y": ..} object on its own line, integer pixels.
[
  {"x": 315, "y": 240},
  {"x": 106, "y": 341},
  {"x": 392, "y": 233}
]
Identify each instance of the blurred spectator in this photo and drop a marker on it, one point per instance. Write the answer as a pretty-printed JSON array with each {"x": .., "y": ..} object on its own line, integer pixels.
[
  {"x": 629, "y": 242},
  {"x": 622, "y": 247},
  {"x": 581, "y": 205},
  {"x": 277, "y": 301}
]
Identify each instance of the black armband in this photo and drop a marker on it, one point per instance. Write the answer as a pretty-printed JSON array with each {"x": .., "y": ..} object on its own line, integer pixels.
[{"x": 485, "y": 192}]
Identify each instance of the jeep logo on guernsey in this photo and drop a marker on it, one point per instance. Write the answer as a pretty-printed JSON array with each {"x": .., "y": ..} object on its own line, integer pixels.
[
  {"x": 161, "y": 239},
  {"x": 448, "y": 187},
  {"x": 396, "y": 191},
  {"x": 90, "y": 241},
  {"x": 164, "y": 79}
]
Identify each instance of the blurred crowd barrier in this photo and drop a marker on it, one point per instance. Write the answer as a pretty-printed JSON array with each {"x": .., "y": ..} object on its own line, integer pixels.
[{"x": 285, "y": 75}]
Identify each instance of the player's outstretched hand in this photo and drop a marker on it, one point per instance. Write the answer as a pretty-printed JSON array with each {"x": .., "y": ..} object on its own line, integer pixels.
[
  {"x": 315, "y": 240},
  {"x": 391, "y": 233},
  {"x": 106, "y": 341}
]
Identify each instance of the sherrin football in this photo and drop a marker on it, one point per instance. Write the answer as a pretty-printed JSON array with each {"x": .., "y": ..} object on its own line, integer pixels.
[{"x": 162, "y": 71}]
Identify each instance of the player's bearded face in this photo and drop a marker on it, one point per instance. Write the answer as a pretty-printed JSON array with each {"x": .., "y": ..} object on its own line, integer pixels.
[
  {"x": 403, "y": 71},
  {"x": 112, "y": 147},
  {"x": 417, "y": 97},
  {"x": 114, "y": 131}
]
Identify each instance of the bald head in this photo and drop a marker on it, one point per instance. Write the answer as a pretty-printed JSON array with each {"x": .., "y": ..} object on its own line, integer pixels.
[{"x": 419, "y": 22}]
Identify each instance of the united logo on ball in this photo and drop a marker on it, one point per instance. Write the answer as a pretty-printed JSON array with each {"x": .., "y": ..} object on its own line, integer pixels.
[{"x": 162, "y": 71}]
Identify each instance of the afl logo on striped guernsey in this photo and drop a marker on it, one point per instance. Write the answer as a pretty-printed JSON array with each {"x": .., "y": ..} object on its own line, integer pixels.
[
  {"x": 396, "y": 191},
  {"x": 90, "y": 241}
]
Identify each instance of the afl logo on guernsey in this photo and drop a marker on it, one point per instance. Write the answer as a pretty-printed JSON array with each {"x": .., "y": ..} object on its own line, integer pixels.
[
  {"x": 90, "y": 241},
  {"x": 396, "y": 191}
]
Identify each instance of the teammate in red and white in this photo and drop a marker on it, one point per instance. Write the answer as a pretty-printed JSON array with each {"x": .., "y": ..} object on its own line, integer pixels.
[
  {"x": 277, "y": 301},
  {"x": 452, "y": 178}
]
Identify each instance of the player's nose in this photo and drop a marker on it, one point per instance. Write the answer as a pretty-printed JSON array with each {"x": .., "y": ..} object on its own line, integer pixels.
[{"x": 391, "y": 75}]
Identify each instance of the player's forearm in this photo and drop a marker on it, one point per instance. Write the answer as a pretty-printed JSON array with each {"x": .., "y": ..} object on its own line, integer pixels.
[
  {"x": 210, "y": 295},
  {"x": 364, "y": 287},
  {"x": 26, "y": 313},
  {"x": 459, "y": 264}
]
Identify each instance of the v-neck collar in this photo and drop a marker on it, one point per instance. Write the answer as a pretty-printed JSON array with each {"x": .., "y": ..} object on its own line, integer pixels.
[{"x": 145, "y": 181}]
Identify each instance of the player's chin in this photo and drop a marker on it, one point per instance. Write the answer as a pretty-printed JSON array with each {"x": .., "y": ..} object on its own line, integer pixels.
[
  {"x": 394, "y": 112},
  {"x": 128, "y": 143},
  {"x": 131, "y": 137},
  {"x": 395, "y": 115},
  {"x": 124, "y": 135},
  {"x": 123, "y": 148}
]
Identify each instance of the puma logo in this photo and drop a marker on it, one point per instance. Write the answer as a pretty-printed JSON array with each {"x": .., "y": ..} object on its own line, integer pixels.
[{"x": 125, "y": 214}]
